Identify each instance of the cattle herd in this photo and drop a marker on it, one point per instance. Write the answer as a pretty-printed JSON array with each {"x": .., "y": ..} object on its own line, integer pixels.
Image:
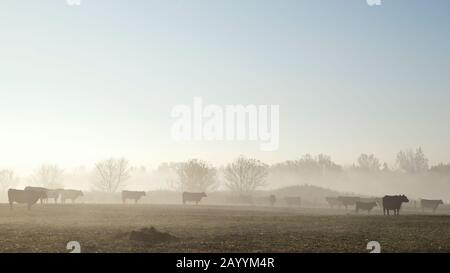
[
  {"x": 31, "y": 195},
  {"x": 387, "y": 203}
]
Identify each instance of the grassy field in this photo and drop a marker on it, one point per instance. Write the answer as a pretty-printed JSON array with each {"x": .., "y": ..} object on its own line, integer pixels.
[{"x": 106, "y": 228}]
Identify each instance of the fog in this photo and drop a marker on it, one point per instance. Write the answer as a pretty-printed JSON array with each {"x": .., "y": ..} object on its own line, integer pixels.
[{"x": 410, "y": 175}]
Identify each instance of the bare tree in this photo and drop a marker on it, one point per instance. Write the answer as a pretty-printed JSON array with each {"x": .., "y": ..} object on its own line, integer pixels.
[
  {"x": 48, "y": 176},
  {"x": 245, "y": 175},
  {"x": 368, "y": 163},
  {"x": 7, "y": 179},
  {"x": 307, "y": 167},
  {"x": 412, "y": 162},
  {"x": 111, "y": 174},
  {"x": 196, "y": 175}
]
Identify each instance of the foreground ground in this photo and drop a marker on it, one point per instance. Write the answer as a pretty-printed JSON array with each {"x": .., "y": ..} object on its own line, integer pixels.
[{"x": 105, "y": 228}]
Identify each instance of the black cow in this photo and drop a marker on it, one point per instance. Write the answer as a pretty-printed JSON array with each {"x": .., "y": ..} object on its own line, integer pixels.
[
  {"x": 393, "y": 202},
  {"x": 28, "y": 197},
  {"x": 430, "y": 204},
  {"x": 135, "y": 195},
  {"x": 365, "y": 206},
  {"x": 193, "y": 197}
]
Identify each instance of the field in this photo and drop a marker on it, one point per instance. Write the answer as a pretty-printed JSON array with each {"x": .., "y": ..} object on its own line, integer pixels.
[{"x": 106, "y": 228}]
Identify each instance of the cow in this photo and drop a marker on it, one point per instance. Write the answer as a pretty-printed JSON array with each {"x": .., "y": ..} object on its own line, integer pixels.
[
  {"x": 135, "y": 195},
  {"x": 29, "y": 197},
  {"x": 272, "y": 199},
  {"x": 333, "y": 201},
  {"x": 348, "y": 200},
  {"x": 41, "y": 189},
  {"x": 54, "y": 194},
  {"x": 293, "y": 200},
  {"x": 430, "y": 204},
  {"x": 70, "y": 194},
  {"x": 193, "y": 197},
  {"x": 377, "y": 200},
  {"x": 393, "y": 202},
  {"x": 365, "y": 206}
]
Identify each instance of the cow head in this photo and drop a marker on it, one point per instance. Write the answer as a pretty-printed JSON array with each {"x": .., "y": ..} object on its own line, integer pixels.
[
  {"x": 440, "y": 202},
  {"x": 404, "y": 199},
  {"x": 80, "y": 193},
  {"x": 203, "y": 194},
  {"x": 143, "y": 193}
]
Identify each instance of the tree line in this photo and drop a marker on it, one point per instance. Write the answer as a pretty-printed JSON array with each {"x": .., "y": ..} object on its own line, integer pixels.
[{"x": 243, "y": 175}]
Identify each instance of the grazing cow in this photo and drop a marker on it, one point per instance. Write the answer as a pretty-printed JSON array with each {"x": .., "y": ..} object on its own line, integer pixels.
[
  {"x": 348, "y": 200},
  {"x": 41, "y": 189},
  {"x": 272, "y": 199},
  {"x": 393, "y": 202},
  {"x": 135, "y": 195},
  {"x": 365, "y": 206},
  {"x": 28, "y": 197},
  {"x": 70, "y": 194},
  {"x": 293, "y": 200},
  {"x": 193, "y": 197},
  {"x": 51, "y": 194},
  {"x": 430, "y": 204},
  {"x": 333, "y": 201}
]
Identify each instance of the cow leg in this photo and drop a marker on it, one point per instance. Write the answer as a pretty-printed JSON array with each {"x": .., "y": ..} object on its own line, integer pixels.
[
  {"x": 10, "y": 205},
  {"x": 29, "y": 206}
]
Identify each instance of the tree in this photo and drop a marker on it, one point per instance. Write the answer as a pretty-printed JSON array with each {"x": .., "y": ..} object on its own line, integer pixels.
[
  {"x": 245, "y": 175},
  {"x": 412, "y": 162},
  {"x": 441, "y": 168},
  {"x": 111, "y": 174},
  {"x": 48, "y": 176},
  {"x": 368, "y": 163},
  {"x": 167, "y": 171},
  {"x": 196, "y": 175},
  {"x": 307, "y": 166},
  {"x": 7, "y": 179}
]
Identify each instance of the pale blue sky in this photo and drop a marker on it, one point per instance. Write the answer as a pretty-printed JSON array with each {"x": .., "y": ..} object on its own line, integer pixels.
[{"x": 79, "y": 84}]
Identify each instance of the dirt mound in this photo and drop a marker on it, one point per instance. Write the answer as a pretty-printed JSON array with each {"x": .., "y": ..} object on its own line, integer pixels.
[{"x": 151, "y": 236}]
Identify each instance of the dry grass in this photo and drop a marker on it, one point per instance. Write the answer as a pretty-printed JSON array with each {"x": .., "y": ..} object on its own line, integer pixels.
[{"x": 104, "y": 228}]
